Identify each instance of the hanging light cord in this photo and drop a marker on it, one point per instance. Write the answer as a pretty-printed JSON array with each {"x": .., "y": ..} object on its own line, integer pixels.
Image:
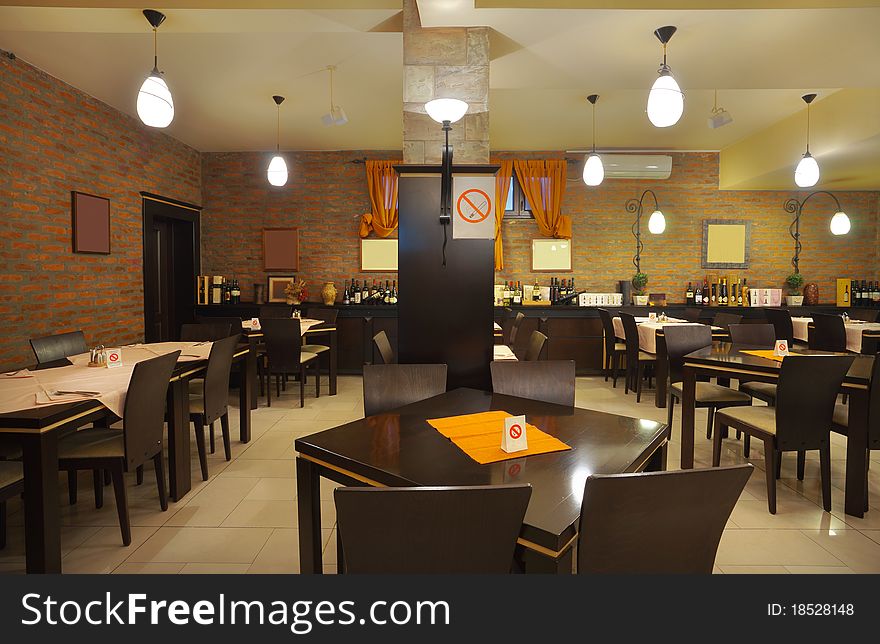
[
  {"x": 156, "y": 50},
  {"x": 594, "y": 128},
  {"x": 278, "y": 130}
]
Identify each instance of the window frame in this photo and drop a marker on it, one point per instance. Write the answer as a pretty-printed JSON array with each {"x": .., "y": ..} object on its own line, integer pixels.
[{"x": 521, "y": 208}]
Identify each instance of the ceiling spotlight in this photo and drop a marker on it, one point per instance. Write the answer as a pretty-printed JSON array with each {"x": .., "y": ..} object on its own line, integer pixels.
[
  {"x": 720, "y": 116},
  {"x": 666, "y": 101},
  {"x": 155, "y": 107},
  {"x": 336, "y": 115}
]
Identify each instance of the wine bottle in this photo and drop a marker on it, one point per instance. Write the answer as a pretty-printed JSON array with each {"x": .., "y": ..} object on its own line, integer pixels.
[
  {"x": 863, "y": 294},
  {"x": 698, "y": 294},
  {"x": 517, "y": 295},
  {"x": 357, "y": 292},
  {"x": 689, "y": 295},
  {"x": 723, "y": 301},
  {"x": 705, "y": 291},
  {"x": 745, "y": 293},
  {"x": 875, "y": 295},
  {"x": 346, "y": 296},
  {"x": 536, "y": 292},
  {"x": 394, "y": 292},
  {"x": 714, "y": 293}
]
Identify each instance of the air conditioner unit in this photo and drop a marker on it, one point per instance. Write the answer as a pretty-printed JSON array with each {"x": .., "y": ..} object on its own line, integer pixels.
[{"x": 637, "y": 166}]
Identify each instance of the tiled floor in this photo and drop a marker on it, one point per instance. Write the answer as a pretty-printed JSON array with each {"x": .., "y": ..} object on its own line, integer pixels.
[{"x": 243, "y": 519}]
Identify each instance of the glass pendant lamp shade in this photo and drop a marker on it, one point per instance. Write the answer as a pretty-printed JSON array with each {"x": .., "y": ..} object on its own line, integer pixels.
[
  {"x": 277, "y": 172},
  {"x": 840, "y": 224},
  {"x": 666, "y": 101},
  {"x": 446, "y": 109},
  {"x": 594, "y": 171},
  {"x": 657, "y": 223},
  {"x": 806, "y": 175},
  {"x": 155, "y": 107}
]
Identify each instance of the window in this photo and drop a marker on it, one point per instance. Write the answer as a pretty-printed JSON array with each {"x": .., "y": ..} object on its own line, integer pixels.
[{"x": 517, "y": 206}]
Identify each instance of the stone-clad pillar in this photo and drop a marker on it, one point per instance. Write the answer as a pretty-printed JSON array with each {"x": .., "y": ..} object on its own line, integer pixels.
[{"x": 448, "y": 62}]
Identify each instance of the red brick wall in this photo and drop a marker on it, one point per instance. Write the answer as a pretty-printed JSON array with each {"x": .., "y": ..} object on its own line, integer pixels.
[
  {"x": 54, "y": 139},
  {"x": 324, "y": 198},
  {"x": 604, "y": 245}
]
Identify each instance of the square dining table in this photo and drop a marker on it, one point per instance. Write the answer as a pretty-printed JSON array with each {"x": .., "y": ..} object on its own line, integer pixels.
[{"x": 400, "y": 448}]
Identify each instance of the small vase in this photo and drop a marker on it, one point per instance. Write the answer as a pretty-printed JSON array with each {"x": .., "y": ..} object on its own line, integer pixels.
[
  {"x": 328, "y": 293},
  {"x": 640, "y": 300},
  {"x": 293, "y": 300},
  {"x": 259, "y": 290},
  {"x": 794, "y": 300},
  {"x": 811, "y": 294}
]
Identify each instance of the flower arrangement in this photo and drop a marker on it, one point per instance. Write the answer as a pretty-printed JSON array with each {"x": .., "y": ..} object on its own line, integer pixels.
[{"x": 295, "y": 291}]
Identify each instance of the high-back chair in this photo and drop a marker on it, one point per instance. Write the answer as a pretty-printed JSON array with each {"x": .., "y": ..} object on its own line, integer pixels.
[
  {"x": 536, "y": 345},
  {"x": 388, "y": 386},
  {"x": 781, "y": 321},
  {"x": 384, "y": 347},
  {"x": 51, "y": 348},
  {"x": 547, "y": 380},
  {"x": 636, "y": 359},
  {"x": 614, "y": 349},
  {"x": 277, "y": 312},
  {"x": 514, "y": 329},
  {"x": 209, "y": 398},
  {"x": 328, "y": 319},
  {"x": 235, "y": 324},
  {"x": 866, "y": 315},
  {"x": 284, "y": 356},
  {"x": 755, "y": 335},
  {"x": 680, "y": 341},
  {"x": 692, "y": 314},
  {"x": 805, "y": 397},
  {"x": 205, "y": 331},
  {"x": 829, "y": 333},
  {"x": 724, "y": 320},
  {"x": 656, "y": 522},
  {"x": 140, "y": 440},
  {"x": 430, "y": 530}
]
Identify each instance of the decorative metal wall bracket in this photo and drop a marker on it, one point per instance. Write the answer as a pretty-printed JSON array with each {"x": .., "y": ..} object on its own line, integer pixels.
[
  {"x": 796, "y": 208},
  {"x": 635, "y": 206}
]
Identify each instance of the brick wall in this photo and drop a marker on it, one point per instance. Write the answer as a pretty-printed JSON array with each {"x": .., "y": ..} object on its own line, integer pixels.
[
  {"x": 604, "y": 245},
  {"x": 54, "y": 139},
  {"x": 324, "y": 198}
]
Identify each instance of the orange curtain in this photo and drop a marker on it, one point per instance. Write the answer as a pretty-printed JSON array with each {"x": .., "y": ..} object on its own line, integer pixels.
[
  {"x": 382, "y": 186},
  {"x": 543, "y": 184},
  {"x": 502, "y": 186}
]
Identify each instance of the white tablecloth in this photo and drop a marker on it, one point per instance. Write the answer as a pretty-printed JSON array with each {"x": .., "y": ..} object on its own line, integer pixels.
[
  {"x": 647, "y": 331},
  {"x": 800, "y": 327},
  {"x": 854, "y": 331},
  {"x": 304, "y": 324},
  {"x": 502, "y": 352}
]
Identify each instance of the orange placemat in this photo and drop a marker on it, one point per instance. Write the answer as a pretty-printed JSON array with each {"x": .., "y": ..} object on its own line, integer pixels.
[
  {"x": 479, "y": 436},
  {"x": 765, "y": 353}
]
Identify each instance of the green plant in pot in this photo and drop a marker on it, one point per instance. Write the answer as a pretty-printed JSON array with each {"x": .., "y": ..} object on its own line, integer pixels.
[
  {"x": 795, "y": 283},
  {"x": 640, "y": 282}
]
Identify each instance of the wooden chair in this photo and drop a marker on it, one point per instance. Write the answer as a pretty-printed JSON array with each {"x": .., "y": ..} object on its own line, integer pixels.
[
  {"x": 276, "y": 312},
  {"x": 692, "y": 314},
  {"x": 514, "y": 329},
  {"x": 801, "y": 420},
  {"x": 384, "y": 347},
  {"x": 139, "y": 441},
  {"x": 656, "y": 522},
  {"x": 235, "y": 324},
  {"x": 430, "y": 530},
  {"x": 536, "y": 346},
  {"x": 328, "y": 318},
  {"x": 11, "y": 485},
  {"x": 205, "y": 331},
  {"x": 614, "y": 350},
  {"x": 781, "y": 321},
  {"x": 549, "y": 380},
  {"x": 284, "y": 355},
  {"x": 756, "y": 335},
  {"x": 388, "y": 386},
  {"x": 636, "y": 359},
  {"x": 53, "y": 348},
  {"x": 209, "y": 399},
  {"x": 724, "y": 320},
  {"x": 680, "y": 341},
  {"x": 840, "y": 419},
  {"x": 829, "y": 333},
  {"x": 866, "y": 315}
]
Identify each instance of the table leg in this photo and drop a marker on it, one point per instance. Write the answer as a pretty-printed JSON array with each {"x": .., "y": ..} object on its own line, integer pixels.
[
  {"x": 333, "y": 362},
  {"x": 42, "y": 517},
  {"x": 856, "y": 454},
  {"x": 179, "y": 475},
  {"x": 252, "y": 371},
  {"x": 688, "y": 402},
  {"x": 308, "y": 494},
  {"x": 661, "y": 366},
  {"x": 246, "y": 395},
  {"x": 657, "y": 462}
]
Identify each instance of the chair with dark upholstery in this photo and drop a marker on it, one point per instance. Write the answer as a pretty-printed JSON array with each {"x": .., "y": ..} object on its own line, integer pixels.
[
  {"x": 209, "y": 398},
  {"x": 235, "y": 324},
  {"x": 551, "y": 381},
  {"x": 430, "y": 530},
  {"x": 656, "y": 522},
  {"x": 205, "y": 331},
  {"x": 52, "y": 348},
  {"x": 536, "y": 346},
  {"x": 806, "y": 393},
  {"x": 139, "y": 441},
  {"x": 781, "y": 321},
  {"x": 11, "y": 485},
  {"x": 866, "y": 315},
  {"x": 284, "y": 356},
  {"x": 614, "y": 350},
  {"x": 636, "y": 359},
  {"x": 680, "y": 341},
  {"x": 388, "y": 386},
  {"x": 755, "y": 335},
  {"x": 692, "y": 314},
  {"x": 829, "y": 333},
  {"x": 328, "y": 318},
  {"x": 384, "y": 347},
  {"x": 724, "y": 320},
  {"x": 514, "y": 329},
  {"x": 278, "y": 311}
]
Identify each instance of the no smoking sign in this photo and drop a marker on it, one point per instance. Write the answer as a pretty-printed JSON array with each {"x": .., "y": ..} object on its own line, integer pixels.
[
  {"x": 473, "y": 199},
  {"x": 514, "y": 438}
]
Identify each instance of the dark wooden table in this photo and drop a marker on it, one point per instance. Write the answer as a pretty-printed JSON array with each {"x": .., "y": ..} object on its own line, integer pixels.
[
  {"x": 726, "y": 360},
  {"x": 37, "y": 430},
  {"x": 256, "y": 337},
  {"x": 399, "y": 448}
]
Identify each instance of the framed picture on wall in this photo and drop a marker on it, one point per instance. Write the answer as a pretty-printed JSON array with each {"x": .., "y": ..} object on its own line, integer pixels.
[
  {"x": 378, "y": 255},
  {"x": 280, "y": 249},
  {"x": 276, "y": 286},
  {"x": 726, "y": 243},
  {"x": 91, "y": 223},
  {"x": 551, "y": 255}
]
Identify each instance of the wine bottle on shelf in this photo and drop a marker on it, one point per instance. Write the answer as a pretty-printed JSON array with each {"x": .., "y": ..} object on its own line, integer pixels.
[
  {"x": 863, "y": 294},
  {"x": 236, "y": 292},
  {"x": 745, "y": 292},
  {"x": 875, "y": 295},
  {"x": 536, "y": 292},
  {"x": 698, "y": 294},
  {"x": 689, "y": 295},
  {"x": 394, "y": 292},
  {"x": 517, "y": 295},
  {"x": 705, "y": 291},
  {"x": 714, "y": 300},
  {"x": 723, "y": 301},
  {"x": 356, "y": 293},
  {"x": 346, "y": 296}
]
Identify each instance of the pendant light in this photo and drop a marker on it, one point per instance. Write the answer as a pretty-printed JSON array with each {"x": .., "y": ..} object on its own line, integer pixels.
[
  {"x": 154, "y": 104},
  {"x": 277, "y": 172},
  {"x": 594, "y": 171},
  {"x": 806, "y": 175},
  {"x": 665, "y": 101}
]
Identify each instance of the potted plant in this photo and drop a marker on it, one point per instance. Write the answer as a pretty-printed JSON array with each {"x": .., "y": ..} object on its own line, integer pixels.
[
  {"x": 794, "y": 282},
  {"x": 639, "y": 282}
]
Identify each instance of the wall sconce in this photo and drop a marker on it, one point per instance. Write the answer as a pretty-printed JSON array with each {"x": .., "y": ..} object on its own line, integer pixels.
[
  {"x": 839, "y": 224},
  {"x": 656, "y": 223}
]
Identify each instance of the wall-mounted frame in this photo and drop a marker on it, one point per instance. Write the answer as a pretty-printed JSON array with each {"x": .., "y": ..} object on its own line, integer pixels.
[
  {"x": 280, "y": 249},
  {"x": 91, "y": 223},
  {"x": 726, "y": 243},
  {"x": 275, "y": 287},
  {"x": 551, "y": 255},
  {"x": 378, "y": 255}
]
